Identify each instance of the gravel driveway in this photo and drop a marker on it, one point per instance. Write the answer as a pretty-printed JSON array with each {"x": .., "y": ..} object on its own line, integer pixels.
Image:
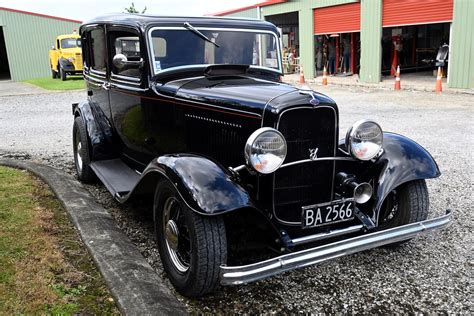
[{"x": 430, "y": 274}]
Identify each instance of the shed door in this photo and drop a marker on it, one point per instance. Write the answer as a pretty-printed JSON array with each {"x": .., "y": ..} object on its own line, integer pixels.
[
  {"x": 343, "y": 18},
  {"x": 409, "y": 12}
]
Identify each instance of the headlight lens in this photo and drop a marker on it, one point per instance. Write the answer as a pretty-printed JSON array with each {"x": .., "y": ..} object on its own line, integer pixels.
[
  {"x": 71, "y": 59},
  {"x": 265, "y": 150},
  {"x": 364, "y": 140}
]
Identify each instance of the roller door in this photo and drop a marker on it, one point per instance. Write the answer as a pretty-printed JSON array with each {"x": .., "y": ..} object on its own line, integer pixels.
[
  {"x": 410, "y": 12},
  {"x": 343, "y": 18}
]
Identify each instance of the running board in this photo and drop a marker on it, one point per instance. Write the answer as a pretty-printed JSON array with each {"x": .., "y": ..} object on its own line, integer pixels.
[
  {"x": 264, "y": 269},
  {"x": 117, "y": 177}
]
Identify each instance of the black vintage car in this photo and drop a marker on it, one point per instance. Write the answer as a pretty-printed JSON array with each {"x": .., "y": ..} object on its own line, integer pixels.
[{"x": 248, "y": 175}]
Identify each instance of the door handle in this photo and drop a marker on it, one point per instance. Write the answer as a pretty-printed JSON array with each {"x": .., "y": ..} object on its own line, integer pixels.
[{"x": 105, "y": 86}]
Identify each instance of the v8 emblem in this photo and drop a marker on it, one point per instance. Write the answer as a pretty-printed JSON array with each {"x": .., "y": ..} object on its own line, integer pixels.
[{"x": 313, "y": 153}]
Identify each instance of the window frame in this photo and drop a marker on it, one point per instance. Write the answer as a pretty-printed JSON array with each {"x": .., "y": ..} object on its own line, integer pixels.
[
  {"x": 134, "y": 81},
  {"x": 90, "y": 51}
]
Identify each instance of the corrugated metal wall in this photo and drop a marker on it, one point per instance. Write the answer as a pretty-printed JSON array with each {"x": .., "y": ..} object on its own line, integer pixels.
[
  {"x": 28, "y": 39},
  {"x": 370, "y": 40},
  {"x": 461, "y": 60}
]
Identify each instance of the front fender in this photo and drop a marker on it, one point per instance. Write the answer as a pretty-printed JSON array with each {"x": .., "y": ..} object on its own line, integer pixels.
[
  {"x": 98, "y": 129},
  {"x": 66, "y": 64},
  {"x": 207, "y": 187},
  {"x": 403, "y": 160}
]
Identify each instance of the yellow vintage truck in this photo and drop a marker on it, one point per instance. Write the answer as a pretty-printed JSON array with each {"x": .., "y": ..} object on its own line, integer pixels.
[{"x": 65, "y": 57}]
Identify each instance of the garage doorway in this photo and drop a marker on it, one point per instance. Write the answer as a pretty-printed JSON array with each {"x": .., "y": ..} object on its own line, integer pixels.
[
  {"x": 288, "y": 23},
  {"x": 414, "y": 48},
  {"x": 4, "y": 68}
]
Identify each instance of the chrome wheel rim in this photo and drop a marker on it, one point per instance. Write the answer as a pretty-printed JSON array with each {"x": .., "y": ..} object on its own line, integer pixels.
[
  {"x": 176, "y": 235},
  {"x": 79, "y": 155}
]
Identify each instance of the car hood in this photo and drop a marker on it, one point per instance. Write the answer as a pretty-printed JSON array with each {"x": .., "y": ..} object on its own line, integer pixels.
[{"x": 238, "y": 93}]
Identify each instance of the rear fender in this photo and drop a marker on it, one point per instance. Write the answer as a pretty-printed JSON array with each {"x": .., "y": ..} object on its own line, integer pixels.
[
  {"x": 98, "y": 129},
  {"x": 207, "y": 187}
]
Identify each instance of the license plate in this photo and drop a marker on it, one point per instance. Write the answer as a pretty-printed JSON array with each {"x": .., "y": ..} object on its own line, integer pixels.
[{"x": 327, "y": 213}]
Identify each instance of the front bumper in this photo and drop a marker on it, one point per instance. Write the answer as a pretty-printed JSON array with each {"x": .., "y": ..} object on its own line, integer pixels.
[{"x": 264, "y": 269}]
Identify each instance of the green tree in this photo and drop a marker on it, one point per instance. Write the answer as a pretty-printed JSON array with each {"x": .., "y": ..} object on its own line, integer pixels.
[{"x": 132, "y": 9}]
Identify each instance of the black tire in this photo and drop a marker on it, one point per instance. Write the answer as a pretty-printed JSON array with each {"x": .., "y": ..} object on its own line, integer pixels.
[
  {"x": 407, "y": 204},
  {"x": 82, "y": 157},
  {"x": 62, "y": 74},
  {"x": 54, "y": 74},
  {"x": 201, "y": 245}
]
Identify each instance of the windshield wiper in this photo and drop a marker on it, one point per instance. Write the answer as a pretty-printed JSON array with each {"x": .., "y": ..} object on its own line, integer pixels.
[{"x": 195, "y": 31}]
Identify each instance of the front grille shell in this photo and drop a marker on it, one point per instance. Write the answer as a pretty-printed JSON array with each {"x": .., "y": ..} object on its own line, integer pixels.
[{"x": 308, "y": 183}]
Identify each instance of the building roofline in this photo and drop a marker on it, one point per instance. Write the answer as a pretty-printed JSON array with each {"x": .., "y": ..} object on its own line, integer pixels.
[
  {"x": 40, "y": 15},
  {"x": 260, "y": 4}
]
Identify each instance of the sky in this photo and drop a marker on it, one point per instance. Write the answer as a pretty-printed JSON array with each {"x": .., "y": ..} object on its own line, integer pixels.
[{"x": 86, "y": 9}]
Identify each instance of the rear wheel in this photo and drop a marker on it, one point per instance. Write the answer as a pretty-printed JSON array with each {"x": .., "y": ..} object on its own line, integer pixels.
[
  {"x": 407, "y": 204},
  {"x": 82, "y": 157},
  {"x": 192, "y": 247}
]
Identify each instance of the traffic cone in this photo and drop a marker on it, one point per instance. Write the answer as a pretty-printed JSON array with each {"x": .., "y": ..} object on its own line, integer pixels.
[
  {"x": 325, "y": 77},
  {"x": 301, "y": 75},
  {"x": 397, "y": 79},
  {"x": 439, "y": 84}
]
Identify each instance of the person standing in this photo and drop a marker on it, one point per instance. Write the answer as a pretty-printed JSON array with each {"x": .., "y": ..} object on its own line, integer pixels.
[
  {"x": 346, "y": 43},
  {"x": 331, "y": 57}
]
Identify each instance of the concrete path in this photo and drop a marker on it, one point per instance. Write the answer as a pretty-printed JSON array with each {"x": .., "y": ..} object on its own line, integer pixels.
[
  {"x": 409, "y": 82},
  {"x": 11, "y": 88},
  {"x": 136, "y": 287}
]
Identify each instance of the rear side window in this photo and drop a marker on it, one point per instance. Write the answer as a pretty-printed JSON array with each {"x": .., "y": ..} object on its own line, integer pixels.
[{"x": 98, "y": 50}]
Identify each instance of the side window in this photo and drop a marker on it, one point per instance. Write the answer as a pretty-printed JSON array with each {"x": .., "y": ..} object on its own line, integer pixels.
[
  {"x": 98, "y": 50},
  {"x": 128, "y": 44}
]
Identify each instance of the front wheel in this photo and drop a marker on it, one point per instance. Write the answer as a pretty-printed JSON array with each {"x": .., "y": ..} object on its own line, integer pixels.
[
  {"x": 407, "y": 204},
  {"x": 192, "y": 247},
  {"x": 62, "y": 74}
]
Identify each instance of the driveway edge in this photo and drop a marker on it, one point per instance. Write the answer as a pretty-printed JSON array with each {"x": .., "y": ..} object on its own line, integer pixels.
[{"x": 136, "y": 287}]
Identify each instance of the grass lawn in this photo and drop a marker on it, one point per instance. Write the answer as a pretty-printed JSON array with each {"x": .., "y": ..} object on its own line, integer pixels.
[
  {"x": 44, "y": 267},
  {"x": 71, "y": 83}
]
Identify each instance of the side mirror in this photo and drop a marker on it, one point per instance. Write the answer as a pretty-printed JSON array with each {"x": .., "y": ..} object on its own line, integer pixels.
[{"x": 120, "y": 61}]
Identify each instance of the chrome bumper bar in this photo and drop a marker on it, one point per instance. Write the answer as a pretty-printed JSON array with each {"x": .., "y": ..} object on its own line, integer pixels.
[{"x": 264, "y": 269}]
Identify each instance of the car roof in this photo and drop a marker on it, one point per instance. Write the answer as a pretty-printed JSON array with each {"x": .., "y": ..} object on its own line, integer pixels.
[
  {"x": 60, "y": 37},
  {"x": 144, "y": 21}
]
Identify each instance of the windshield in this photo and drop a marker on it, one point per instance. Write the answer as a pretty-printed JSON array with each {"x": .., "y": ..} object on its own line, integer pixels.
[
  {"x": 70, "y": 42},
  {"x": 182, "y": 47}
]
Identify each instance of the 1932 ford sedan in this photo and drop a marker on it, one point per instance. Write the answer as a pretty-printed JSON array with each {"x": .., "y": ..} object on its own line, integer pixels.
[{"x": 248, "y": 175}]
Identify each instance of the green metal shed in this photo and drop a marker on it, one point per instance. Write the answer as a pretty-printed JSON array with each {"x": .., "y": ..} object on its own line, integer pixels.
[
  {"x": 461, "y": 59},
  {"x": 25, "y": 39}
]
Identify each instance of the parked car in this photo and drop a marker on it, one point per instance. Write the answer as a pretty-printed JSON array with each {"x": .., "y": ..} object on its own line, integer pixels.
[
  {"x": 65, "y": 57},
  {"x": 193, "y": 114}
]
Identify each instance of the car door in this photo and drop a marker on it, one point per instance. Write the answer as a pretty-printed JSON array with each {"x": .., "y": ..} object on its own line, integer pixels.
[
  {"x": 96, "y": 70},
  {"x": 127, "y": 89}
]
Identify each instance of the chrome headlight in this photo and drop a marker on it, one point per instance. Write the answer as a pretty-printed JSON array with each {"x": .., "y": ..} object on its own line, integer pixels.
[
  {"x": 364, "y": 140},
  {"x": 265, "y": 150}
]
